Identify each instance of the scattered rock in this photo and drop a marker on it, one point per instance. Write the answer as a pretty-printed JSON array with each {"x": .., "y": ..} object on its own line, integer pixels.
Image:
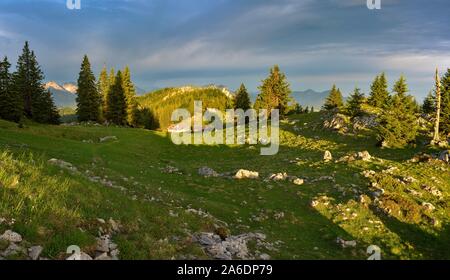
[
  {"x": 34, "y": 252},
  {"x": 364, "y": 156},
  {"x": 13, "y": 249},
  {"x": 11, "y": 236},
  {"x": 231, "y": 247},
  {"x": 264, "y": 257},
  {"x": 102, "y": 257},
  {"x": 171, "y": 170},
  {"x": 246, "y": 174},
  {"x": 115, "y": 226},
  {"x": 278, "y": 177},
  {"x": 327, "y": 156},
  {"x": 345, "y": 243},
  {"x": 336, "y": 122},
  {"x": 298, "y": 181},
  {"x": 107, "y": 138},
  {"x": 207, "y": 172},
  {"x": 432, "y": 190},
  {"x": 63, "y": 165},
  {"x": 103, "y": 243},
  {"x": 428, "y": 206}
]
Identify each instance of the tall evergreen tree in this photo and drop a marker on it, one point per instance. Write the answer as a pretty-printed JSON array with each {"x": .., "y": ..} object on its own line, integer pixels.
[
  {"x": 44, "y": 110},
  {"x": 429, "y": 104},
  {"x": 11, "y": 103},
  {"x": 117, "y": 102},
  {"x": 445, "y": 104},
  {"x": 130, "y": 94},
  {"x": 28, "y": 82},
  {"x": 355, "y": 102},
  {"x": 438, "y": 88},
  {"x": 88, "y": 98},
  {"x": 398, "y": 123},
  {"x": 274, "y": 92},
  {"x": 379, "y": 94},
  {"x": 242, "y": 99},
  {"x": 102, "y": 88},
  {"x": 334, "y": 99}
]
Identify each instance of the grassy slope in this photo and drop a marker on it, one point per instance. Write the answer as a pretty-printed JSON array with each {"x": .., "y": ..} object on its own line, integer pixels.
[{"x": 50, "y": 205}]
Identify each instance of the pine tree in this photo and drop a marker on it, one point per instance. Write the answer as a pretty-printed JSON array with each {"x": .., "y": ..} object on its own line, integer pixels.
[
  {"x": 117, "y": 103},
  {"x": 88, "y": 98},
  {"x": 242, "y": 99},
  {"x": 27, "y": 82},
  {"x": 334, "y": 99},
  {"x": 379, "y": 94},
  {"x": 445, "y": 104},
  {"x": 44, "y": 110},
  {"x": 429, "y": 104},
  {"x": 436, "y": 137},
  {"x": 274, "y": 92},
  {"x": 355, "y": 102},
  {"x": 130, "y": 94},
  {"x": 398, "y": 123},
  {"x": 102, "y": 88},
  {"x": 11, "y": 103}
]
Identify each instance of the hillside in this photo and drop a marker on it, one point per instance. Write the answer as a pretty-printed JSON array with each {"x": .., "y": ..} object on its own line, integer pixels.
[
  {"x": 164, "y": 101},
  {"x": 149, "y": 196}
]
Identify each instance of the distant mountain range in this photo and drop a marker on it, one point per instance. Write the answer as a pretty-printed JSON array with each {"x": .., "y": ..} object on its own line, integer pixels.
[
  {"x": 310, "y": 98},
  {"x": 64, "y": 94}
]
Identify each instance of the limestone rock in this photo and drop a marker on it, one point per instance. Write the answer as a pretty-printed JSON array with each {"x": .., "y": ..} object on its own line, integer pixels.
[
  {"x": 246, "y": 174},
  {"x": 207, "y": 172},
  {"x": 34, "y": 252},
  {"x": 11, "y": 236},
  {"x": 327, "y": 156}
]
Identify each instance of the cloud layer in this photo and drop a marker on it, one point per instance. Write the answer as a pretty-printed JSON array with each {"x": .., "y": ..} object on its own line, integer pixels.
[{"x": 174, "y": 42}]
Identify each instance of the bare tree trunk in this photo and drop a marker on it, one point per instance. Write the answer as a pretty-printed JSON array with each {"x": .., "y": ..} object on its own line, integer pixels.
[{"x": 438, "y": 109}]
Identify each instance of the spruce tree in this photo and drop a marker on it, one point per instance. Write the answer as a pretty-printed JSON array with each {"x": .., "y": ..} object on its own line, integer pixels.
[
  {"x": 379, "y": 94},
  {"x": 130, "y": 94},
  {"x": 242, "y": 99},
  {"x": 11, "y": 103},
  {"x": 355, "y": 102},
  {"x": 102, "y": 88},
  {"x": 334, "y": 99},
  {"x": 398, "y": 123},
  {"x": 44, "y": 110},
  {"x": 445, "y": 104},
  {"x": 274, "y": 92},
  {"x": 88, "y": 98},
  {"x": 28, "y": 82},
  {"x": 117, "y": 103},
  {"x": 429, "y": 104}
]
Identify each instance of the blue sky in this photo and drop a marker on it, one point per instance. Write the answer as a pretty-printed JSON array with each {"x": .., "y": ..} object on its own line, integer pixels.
[{"x": 176, "y": 42}]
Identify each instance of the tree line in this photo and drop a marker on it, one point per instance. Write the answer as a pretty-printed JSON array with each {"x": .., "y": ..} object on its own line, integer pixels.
[
  {"x": 398, "y": 110},
  {"x": 22, "y": 93},
  {"x": 111, "y": 99}
]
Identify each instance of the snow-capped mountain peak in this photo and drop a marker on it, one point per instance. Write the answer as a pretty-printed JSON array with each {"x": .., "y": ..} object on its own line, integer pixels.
[{"x": 69, "y": 87}]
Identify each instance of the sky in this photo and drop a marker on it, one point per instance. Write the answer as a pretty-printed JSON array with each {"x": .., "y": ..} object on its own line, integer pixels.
[{"x": 177, "y": 42}]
